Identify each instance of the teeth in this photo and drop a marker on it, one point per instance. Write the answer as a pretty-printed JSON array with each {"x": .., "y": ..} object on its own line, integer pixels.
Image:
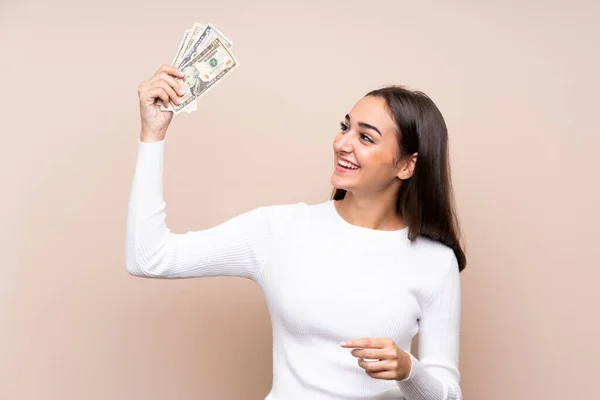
[{"x": 347, "y": 164}]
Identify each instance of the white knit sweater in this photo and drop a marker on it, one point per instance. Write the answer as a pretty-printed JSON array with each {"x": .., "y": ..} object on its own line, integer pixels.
[{"x": 324, "y": 280}]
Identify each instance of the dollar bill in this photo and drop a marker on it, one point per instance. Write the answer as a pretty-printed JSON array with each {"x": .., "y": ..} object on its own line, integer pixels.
[
  {"x": 207, "y": 35},
  {"x": 180, "y": 47},
  {"x": 202, "y": 72},
  {"x": 193, "y": 33},
  {"x": 194, "y": 39},
  {"x": 227, "y": 40},
  {"x": 178, "y": 55},
  {"x": 180, "y": 52}
]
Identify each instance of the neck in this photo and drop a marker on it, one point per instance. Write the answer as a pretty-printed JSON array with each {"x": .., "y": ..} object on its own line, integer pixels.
[{"x": 373, "y": 211}]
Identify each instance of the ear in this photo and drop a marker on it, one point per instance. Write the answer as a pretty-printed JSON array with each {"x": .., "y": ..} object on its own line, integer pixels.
[{"x": 407, "y": 167}]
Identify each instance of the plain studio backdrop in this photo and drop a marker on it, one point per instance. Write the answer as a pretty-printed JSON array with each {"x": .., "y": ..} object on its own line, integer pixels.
[{"x": 516, "y": 81}]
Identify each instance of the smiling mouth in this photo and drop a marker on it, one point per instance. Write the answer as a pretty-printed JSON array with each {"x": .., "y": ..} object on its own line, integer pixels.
[{"x": 347, "y": 165}]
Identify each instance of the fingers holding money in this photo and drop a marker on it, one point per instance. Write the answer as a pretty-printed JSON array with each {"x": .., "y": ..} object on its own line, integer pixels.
[
  {"x": 162, "y": 86},
  {"x": 150, "y": 92},
  {"x": 169, "y": 70},
  {"x": 155, "y": 92},
  {"x": 168, "y": 89},
  {"x": 164, "y": 76}
]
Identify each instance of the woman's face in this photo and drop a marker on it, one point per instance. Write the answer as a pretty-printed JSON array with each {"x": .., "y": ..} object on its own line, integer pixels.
[{"x": 366, "y": 149}]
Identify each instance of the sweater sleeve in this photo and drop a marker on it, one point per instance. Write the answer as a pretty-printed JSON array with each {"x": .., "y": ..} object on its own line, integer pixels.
[
  {"x": 435, "y": 375},
  {"x": 237, "y": 247}
]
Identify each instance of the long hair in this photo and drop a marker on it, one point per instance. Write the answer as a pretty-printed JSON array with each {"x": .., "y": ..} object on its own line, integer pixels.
[{"x": 425, "y": 200}]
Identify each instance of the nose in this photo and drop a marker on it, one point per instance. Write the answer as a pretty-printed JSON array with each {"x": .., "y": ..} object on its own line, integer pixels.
[{"x": 343, "y": 143}]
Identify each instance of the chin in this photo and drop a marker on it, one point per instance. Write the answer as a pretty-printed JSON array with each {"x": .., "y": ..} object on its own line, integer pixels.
[
  {"x": 334, "y": 181},
  {"x": 339, "y": 183}
]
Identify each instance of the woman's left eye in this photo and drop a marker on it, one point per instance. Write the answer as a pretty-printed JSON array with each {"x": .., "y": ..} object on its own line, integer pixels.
[{"x": 368, "y": 139}]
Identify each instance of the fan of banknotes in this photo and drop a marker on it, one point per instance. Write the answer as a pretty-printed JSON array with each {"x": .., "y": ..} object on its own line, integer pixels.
[{"x": 204, "y": 56}]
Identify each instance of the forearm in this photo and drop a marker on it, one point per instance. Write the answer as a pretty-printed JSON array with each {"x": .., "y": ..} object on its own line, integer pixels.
[{"x": 146, "y": 227}]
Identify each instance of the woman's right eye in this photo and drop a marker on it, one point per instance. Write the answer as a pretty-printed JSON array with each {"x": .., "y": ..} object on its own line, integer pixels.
[{"x": 343, "y": 126}]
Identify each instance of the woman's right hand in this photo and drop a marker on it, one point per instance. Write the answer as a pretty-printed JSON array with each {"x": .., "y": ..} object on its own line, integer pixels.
[{"x": 161, "y": 86}]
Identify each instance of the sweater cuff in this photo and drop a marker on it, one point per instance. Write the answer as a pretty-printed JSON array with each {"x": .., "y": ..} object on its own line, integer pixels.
[{"x": 420, "y": 384}]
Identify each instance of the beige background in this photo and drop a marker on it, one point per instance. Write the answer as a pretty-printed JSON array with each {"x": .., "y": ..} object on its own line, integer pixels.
[{"x": 518, "y": 84}]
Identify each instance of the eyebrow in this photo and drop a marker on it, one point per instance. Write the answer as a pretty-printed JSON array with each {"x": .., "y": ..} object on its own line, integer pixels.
[{"x": 365, "y": 125}]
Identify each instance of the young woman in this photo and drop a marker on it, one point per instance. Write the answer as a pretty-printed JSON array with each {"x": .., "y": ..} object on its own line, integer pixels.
[{"x": 348, "y": 282}]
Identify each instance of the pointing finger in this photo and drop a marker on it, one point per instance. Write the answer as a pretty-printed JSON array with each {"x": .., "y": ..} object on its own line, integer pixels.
[{"x": 364, "y": 343}]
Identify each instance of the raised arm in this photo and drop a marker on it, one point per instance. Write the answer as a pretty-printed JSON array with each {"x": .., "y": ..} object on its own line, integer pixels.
[{"x": 237, "y": 247}]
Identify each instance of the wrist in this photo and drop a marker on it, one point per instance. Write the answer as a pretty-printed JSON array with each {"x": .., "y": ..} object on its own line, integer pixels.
[
  {"x": 406, "y": 366},
  {"x": 150, "y": 137}
]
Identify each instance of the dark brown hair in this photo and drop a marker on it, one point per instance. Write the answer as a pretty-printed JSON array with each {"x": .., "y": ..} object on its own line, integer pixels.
[{"x": 426, "y": 200}]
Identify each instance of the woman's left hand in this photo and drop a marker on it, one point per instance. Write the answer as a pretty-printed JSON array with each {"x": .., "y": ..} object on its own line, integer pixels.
[{"x": 394, "y": 363}]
